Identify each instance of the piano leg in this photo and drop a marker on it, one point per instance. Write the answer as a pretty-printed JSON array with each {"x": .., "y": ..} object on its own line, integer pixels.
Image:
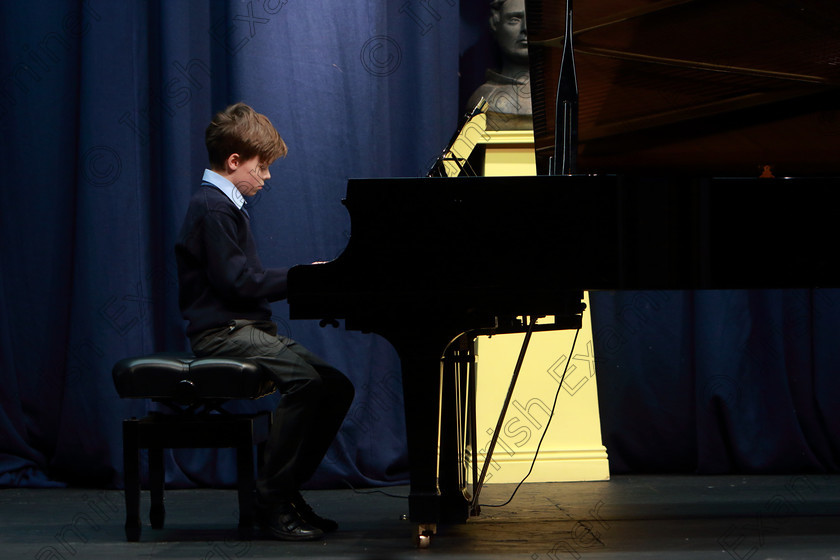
[
  {"x": 434, "y": 398},
  {"x": 421, "y": 374},
  {"x": 457, "y": 401}
]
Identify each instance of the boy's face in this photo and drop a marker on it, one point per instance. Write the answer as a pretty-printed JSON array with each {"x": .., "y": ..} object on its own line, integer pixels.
[{"x": 249, "y": 176}]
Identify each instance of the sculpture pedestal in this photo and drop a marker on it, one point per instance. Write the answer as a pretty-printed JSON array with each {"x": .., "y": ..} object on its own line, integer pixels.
[{"x": 572, "y": 448}]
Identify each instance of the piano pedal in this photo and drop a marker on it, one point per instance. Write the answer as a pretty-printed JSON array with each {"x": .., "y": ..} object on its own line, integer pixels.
[{"x": 425, "y": 531}]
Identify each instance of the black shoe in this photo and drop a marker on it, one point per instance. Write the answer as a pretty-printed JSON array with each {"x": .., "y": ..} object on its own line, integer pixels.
[
  {"x": 282, "y": 521},
  {"x": 310, "y": 517}
]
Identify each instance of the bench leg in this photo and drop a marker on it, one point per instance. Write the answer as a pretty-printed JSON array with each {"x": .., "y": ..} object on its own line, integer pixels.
[
  {"x": 131, "y": 468},
  {"x": 246, "y": 487},
  {"x": 157, "y": 472}
]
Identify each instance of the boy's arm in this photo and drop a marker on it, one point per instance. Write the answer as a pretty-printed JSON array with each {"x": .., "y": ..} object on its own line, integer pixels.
[{"x": 228, "y": 267}]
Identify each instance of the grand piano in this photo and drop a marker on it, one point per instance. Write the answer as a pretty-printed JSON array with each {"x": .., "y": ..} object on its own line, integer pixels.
[{"x": 707, "y": 146}]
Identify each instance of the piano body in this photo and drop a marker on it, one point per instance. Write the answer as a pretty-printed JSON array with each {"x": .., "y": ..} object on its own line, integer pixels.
[{"x": 683, "y": 105}]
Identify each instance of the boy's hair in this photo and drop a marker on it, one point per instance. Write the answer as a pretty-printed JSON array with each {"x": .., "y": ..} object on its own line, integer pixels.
[{"x": 241, "y": 130}]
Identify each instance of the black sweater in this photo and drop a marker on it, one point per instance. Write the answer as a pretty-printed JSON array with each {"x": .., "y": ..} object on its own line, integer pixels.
[{"x": 220, "y": 277}]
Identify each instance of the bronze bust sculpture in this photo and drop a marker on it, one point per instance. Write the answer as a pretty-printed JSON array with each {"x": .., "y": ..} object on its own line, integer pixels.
[{"x": 508, "y": 91}]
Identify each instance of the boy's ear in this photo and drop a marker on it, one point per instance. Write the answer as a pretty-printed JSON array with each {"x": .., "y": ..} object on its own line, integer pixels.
[{"x": 232, "y": 162}]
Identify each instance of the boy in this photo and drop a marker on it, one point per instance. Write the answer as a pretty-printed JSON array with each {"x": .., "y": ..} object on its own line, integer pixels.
[{"x": 224, "y": 294}]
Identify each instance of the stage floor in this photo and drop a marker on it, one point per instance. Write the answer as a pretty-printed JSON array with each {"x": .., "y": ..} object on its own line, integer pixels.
[{"x": 659, "y": 517}]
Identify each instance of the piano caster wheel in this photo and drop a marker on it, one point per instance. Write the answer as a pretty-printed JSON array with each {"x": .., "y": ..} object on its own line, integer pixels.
[{"x": 424, "y": 534}]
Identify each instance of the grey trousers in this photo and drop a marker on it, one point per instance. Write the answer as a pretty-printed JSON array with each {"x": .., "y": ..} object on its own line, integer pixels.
[{"x": 315, "y": 399}]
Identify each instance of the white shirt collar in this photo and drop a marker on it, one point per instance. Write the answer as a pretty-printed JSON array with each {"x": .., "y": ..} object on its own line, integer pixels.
[{"x": 225, "y": 186}]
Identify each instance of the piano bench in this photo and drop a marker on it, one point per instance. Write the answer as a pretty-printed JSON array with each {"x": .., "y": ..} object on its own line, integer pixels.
[{"x": 196, "y": 390}]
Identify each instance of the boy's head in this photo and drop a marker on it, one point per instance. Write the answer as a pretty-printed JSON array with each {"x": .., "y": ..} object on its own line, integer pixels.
[{"x": 241, "y": 130}]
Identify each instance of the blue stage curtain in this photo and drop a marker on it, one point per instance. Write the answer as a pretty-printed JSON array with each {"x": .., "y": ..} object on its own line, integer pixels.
[
  {"x": 719, "y": 381},
  {"x": 103, "y": 107}
]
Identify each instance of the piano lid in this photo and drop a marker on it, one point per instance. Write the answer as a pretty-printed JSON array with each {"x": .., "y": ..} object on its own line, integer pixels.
[{"x": 707, "y": 87}]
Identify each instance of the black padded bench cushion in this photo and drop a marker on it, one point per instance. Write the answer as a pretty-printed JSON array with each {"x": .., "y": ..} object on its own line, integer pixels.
[{"x": 183, "y": 376}]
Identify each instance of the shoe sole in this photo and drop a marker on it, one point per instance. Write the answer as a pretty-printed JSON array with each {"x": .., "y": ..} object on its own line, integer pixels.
[{"x": 291, "y": 536}]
